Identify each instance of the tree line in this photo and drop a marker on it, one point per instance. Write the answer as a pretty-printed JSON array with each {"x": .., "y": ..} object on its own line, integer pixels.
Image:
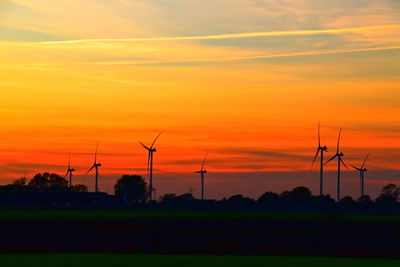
[{"x": 133, "y": 190}]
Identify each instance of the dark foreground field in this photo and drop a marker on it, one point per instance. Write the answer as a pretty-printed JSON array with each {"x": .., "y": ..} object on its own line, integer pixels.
[
  {"x": 122, "y": 260},
  {"x": 215, "y": 233}
]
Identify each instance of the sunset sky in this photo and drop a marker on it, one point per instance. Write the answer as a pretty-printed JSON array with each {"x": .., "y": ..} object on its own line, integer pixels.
[{"x": 244, "y": 80}]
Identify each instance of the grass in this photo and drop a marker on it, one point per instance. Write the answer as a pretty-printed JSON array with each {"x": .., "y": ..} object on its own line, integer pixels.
[
  {"x": 70, "y": 214},
  {"x": 120, "y": 260}
]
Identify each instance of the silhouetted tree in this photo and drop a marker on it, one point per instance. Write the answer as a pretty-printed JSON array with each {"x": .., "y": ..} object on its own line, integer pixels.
[
  {"x": 347, "y": 200},
  {"x": 385, "y": 200},
  {"x": 299, "y": 194},
  {"x": 388, "y": 190},
  {"x": 20, "y": 181},
  {"x": 268, "y": 200},
  {"x": 79, "y": 188},
  {"x": 39, "y": 181},
  {"x": 240, "y": 202},
  {"x": 284, "y": 194},
  {"x": 47, "y": 181},
  {"x": 172, "y": 201},
  {"x": 364, "y": 199},
  {"x": 167, "y": 197},
  {"x": 364, "y": 202},
  {"x": 268, "y": 197},
  {"x": 185, "y": 197},
  {"x": 131, "y": 188},
  {"x": 55, "y": 180},
  {"x": 322, "y": 202},
  {"x": 389, "y": 195}
]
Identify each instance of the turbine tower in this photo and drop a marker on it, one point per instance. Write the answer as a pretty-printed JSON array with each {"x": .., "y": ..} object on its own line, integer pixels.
[
  {"x": 155, "y": 193},
  {"x": 96, "y": 167},
  {"x": 362, "y": 170},
  {"x": 202, "y": 172},
  {"x": 321, "y": 149},
  {"x": 150, "y": 150},
  {"x": 70, "y": 171},
  {"x": 339, "y": 156},
  {"x": 191, "y": 189}
]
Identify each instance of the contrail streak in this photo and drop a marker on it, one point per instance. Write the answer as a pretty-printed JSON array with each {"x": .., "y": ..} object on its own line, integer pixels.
[
  {"x": 231, "y": 36},
  {"x": 310, "y": 53},
  {"x": 155, "y": 62}
]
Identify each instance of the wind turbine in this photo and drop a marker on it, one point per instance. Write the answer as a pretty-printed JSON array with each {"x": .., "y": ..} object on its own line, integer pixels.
[
  {"x": 191, "y": 189},
  {"x": 155, "y": 193},
  {"x": 70, "y": 171},
  {"x": 96, "y": 167},
  {"x": 321, "y": 149},
  {"x": 202, "y": 172},
  {"x": 339, "y": 156},
  {"x": 151, "y": 150},
  {"x": 362, "y": 170}
]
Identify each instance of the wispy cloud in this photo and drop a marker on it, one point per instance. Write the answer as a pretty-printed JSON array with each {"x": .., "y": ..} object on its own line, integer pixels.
[
  {"x": 239, "y": 58},
  {"x": 233, "y": 36},
  {"x": 190, "y": 55}
]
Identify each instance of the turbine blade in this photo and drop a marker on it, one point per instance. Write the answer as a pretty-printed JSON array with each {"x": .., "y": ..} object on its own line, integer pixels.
[
  {"x": 144, "y": 146},
  {"x": 343, "y": 163},
  {"x": 315, "y": 157},
  {"x": 90, "y": 169},
  {"x": 155, "y": 140},
  {"x": 66, "y": 173},
  {"x": 365, "y": 160},
  {"x": 95, "y": 154},
  {"x": 338, "y": 142},
  {"x": 204, "y": 160},
  {"x": 319, "y": 134},
  {"x": 330, "y": 159},
  {"x": 69, "y": 161},
  {"x": 354, "y": 167}
]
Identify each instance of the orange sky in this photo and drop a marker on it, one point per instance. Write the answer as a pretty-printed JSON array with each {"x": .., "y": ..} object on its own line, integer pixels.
[{"x": 249, "y": 89}]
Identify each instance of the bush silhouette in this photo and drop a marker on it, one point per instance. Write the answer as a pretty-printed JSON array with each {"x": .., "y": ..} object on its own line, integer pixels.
[
  {"x": 131, "y": 188},
  {"x": 79, "y": 188},
  {"x": 49, "y": 182},
  {"x": 268, "y": 200}
]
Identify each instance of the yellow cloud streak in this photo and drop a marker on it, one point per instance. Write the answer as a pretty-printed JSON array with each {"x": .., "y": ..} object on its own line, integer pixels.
[
  {"x": 231, "y": 36},
  {"x": 310, "y": 53},
  {"x": 224, "y": 58}
]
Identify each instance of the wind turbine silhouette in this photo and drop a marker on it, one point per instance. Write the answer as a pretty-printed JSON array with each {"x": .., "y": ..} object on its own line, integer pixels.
[
  {"x": 96, "y": 167},
  {"x": 70, "y": 170},
  {"x": 191, "y": 189},
  {"x": 339, "y": 156},
  {"x": 151, "y": 150},
  {"x": 321, "y": 149},
  {"x": 155, "y": 193},
  {"x": 202, "y": 172},
  {"x": 362, "y": 170}
]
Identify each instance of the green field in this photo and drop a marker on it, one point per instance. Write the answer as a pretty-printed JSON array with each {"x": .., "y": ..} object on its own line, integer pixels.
[
  {"x": 107, "y": 260},
  {"x": 68, "y": 214}
]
